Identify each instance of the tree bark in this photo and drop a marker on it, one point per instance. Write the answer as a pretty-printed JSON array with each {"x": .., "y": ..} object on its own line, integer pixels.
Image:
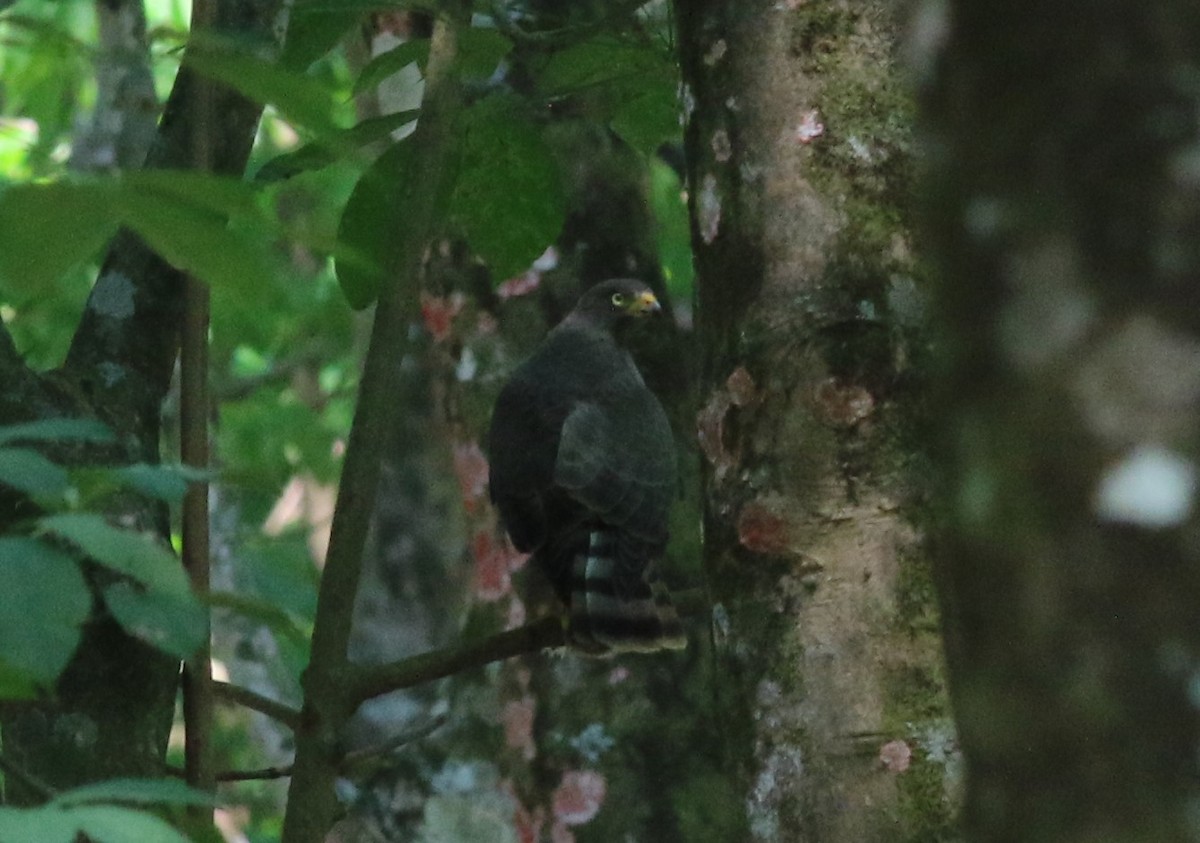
[
  {"x": 826, "y": 636},
  {"x": 113, "y": 705},
  {"x": 1064, "y": 206}
]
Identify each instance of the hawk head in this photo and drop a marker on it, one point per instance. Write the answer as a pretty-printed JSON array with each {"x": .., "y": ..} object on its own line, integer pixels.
[{"x": 612, "y": 302}]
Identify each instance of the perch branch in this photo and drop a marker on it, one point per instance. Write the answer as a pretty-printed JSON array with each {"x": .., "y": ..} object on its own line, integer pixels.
[
  {"x": 545, "y": 633},
  {"x": 285, "y": 714}
]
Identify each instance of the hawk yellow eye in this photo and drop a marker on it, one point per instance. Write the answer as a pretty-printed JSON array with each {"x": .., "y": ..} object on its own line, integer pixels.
[{"x": 618, "y": 299}]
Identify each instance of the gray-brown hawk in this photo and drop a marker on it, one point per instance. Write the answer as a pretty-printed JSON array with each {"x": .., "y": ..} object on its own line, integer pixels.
[{"x": 583, "y": 473}]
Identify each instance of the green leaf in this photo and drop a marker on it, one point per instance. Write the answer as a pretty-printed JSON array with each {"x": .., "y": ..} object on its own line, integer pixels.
[
  {"x": 29, "y": 472},
  {"x": 260, "y": 610},
  {"x": 174, "y": 623},
  {"x": 135, "y": 792},
  {"x": 370, "y": 224},
  {"x": 84, "y": 430},
  {"x": 650, "y": 119},
  {"x": 133, "y": 553},
  {"x": 304, "y": 100},
  {"x": 674, "y": 235},
  {"x": 75, "y": 216},
  {"x": 313, "y": 32},
  {"x": 223, "y": 196},
  {"x": 46, "y": 601},
  {"x": 100, "y": 823},
  {"x": 604, "y": 61},
  {"x": 480, "y": 51},
  {"x": 44, "y": 825},
  {"x": 113, "y": 824},
  {"x": 164, "y": 482},
  {"x": 326, "y": 151},
  {"x": 393, "y": 61},
  {"x": 508, "y": 198},
  {"x": 197, "y": 240},
  {"x": 631, "y": 86}
]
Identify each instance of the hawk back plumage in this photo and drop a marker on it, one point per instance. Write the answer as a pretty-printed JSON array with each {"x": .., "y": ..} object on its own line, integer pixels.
[{"x": 583, "y": 472}]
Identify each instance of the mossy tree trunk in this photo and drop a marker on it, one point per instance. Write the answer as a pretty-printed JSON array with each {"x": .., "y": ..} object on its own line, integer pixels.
[
  {"x": 1065, "y": 201},
  {"x": 826, "y": 636}
]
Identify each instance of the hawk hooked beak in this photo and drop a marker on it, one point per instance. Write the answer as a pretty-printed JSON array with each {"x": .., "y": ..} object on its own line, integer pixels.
[{"x": 644, "y": 304}]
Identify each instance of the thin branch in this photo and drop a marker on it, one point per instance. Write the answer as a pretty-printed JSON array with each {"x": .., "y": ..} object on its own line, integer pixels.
[
  {"x": 262, "y": 774},
  {"x": 545, "y": 633},
  {"x": 542, "y": 634},
  {"x": 14, "y": 771},
  {"x": 360, "y": 758},
  {"x": 228, "y": 693},
  {"x": 312, "y": 803},
  {"x": 198, "y": 699}
]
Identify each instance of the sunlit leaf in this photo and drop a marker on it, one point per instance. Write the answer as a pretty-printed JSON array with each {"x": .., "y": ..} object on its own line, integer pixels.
[
  {"x": 174, "y": 623},
  {"x": 46, "y": 601},
  {"x": 674, "y": 235},
  {"x": 77, "y": 217},
  {"x": 508, "y": 198}
]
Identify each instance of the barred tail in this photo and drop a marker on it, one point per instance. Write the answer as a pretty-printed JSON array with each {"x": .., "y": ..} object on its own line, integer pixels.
[{"x": 617, "y": 602}]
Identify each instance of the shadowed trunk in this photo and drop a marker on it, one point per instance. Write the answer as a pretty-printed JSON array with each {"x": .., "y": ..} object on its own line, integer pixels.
[{"x": 1064, "y": 203}]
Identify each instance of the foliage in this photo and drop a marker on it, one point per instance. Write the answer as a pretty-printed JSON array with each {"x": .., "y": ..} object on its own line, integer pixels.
[{"x": 283, "y": 253}]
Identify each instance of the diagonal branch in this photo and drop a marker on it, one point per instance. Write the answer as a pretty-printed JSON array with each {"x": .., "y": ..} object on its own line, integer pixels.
[
  {"x": 368, "y": 681},
  {"x": 542, "y": 634},
  {"x": 312, "y": 803},
  {"x": 285, "y": 714}
]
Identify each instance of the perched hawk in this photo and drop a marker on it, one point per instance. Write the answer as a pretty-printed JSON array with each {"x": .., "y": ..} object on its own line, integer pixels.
[{"x": 583, "y": 472}]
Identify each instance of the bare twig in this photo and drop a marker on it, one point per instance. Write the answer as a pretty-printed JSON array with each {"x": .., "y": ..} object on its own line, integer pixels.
[
  {"x": 198, "y": 699},
  {"x": 262, "y": 774},
  {"x": 246, "y": 698}
]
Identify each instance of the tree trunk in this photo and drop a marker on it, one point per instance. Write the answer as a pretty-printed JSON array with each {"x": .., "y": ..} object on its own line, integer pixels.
[
  {"x": 111, "y": 712},
  {"x": 826, "y": 633},
  {"x": 1065, "y": 208}
]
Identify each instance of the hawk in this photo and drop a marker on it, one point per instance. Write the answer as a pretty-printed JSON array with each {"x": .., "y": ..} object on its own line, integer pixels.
[{"x": 583, "y": 472}]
